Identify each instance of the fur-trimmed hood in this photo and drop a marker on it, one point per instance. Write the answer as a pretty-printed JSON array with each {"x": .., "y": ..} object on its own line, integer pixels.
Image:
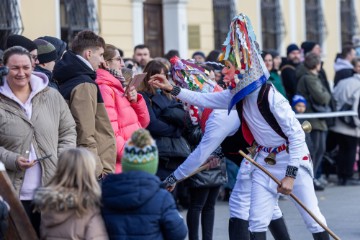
[
  {"x": 60, "y": 218},
  {"x": 64, "y": 203}
]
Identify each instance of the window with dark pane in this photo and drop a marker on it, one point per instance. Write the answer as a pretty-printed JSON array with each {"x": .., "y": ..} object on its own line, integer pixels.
[
  {"x": 349, "y": 22},
  {"x": 315, "y": 23},
  {"x": 223, "y": 12},
  {"x": 272, "y": 23},
  {"x": 10, "y": 20},
  {"x": 77, "y": 15}
]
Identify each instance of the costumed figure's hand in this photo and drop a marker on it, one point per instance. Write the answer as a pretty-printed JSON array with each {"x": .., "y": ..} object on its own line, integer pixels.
[
  {"x": 160, "y": 81},
  {"x": 132, "y": 95},
  {"x": 23, "y": 163},
  {"x": 286, "y": 185},
  {"x": 213, "y": 162},
  {"x": 170, "y": 182}
]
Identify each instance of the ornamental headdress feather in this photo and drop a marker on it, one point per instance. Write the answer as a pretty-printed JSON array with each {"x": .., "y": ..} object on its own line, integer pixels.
[
  {"x": 241, "y": 49},
  {"x": 187, "y": 74}
]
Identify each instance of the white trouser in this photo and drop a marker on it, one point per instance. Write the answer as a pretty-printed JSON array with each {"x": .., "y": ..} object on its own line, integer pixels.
[
  {"x": 239, "y": 202},
  {"x": 264, "y": 195}
]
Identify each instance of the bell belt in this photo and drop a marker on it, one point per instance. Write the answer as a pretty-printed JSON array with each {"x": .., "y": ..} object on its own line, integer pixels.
[{"x": 272, "y": 149}]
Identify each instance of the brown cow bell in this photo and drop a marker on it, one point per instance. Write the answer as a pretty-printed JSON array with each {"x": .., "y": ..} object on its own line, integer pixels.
[{"x": 270, "y": 159}]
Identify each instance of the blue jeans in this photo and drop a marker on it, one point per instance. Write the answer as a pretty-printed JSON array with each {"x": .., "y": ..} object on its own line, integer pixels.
[
  {"x": 231, "y": 170},
  {"x": 318, "y": 139}
]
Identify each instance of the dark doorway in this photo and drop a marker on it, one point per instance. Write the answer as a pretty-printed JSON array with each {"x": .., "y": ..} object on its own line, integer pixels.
[{"x": 153, "y": 27}]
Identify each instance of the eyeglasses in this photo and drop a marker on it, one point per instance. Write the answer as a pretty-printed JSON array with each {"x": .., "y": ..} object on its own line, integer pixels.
[
  {"x": 34, "y": 57},
  {"x": 115, "y": 59}
]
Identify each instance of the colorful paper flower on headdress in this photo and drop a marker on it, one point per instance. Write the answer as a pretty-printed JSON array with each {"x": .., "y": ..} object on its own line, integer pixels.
[
  {"x": 241, "y": 50},
  {"x": 188, "y": 75}
]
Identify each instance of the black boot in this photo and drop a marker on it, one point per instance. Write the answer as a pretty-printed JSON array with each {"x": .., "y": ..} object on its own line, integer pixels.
[
  {"x": 238, "y": 229},
  {"x": 278, "y": 229},
  {"x": 258, "y": 235},
  {"x": 321, "y": 236}
]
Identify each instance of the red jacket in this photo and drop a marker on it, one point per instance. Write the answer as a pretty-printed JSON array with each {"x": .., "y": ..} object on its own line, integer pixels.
[{"x": 125, "y": 117}]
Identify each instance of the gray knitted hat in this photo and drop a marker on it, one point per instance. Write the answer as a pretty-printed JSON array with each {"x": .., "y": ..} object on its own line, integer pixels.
[{"x": 46, "y": 51}]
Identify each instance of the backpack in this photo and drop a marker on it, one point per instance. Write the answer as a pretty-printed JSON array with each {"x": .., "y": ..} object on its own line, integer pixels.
[{"x": 352, "y": 105}]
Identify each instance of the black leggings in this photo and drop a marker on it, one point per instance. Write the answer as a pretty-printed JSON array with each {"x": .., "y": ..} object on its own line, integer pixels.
[
  {"x": 34, "y": 217},
  {"x": 202, "y": 200}
]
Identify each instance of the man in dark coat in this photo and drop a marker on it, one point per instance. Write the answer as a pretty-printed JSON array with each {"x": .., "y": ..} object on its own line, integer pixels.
[
  {"x": 288, "y": 70},
  {"x": 343, "y": 67},
  {"x": 76, "y": 75}
]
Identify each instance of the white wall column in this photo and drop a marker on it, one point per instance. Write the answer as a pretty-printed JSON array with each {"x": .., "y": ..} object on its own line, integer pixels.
[
  {"x": 282, "y": 46},
  {"x": 57, "y": 19},
  {"x": 259, "y": 35},
  {"x": 175, "y": 26},
  {"x": 293, "y": 24},
  {"x": 138, "y": 21},
  {"x": 303, "y": 36}
]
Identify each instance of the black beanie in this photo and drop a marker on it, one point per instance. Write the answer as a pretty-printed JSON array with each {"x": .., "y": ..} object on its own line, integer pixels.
[
  {"x": 46, "y": 51},
  {"x": 308, "y": 46},
  {"x": 292, "y": 47},
  {"x": 18, "y": 40}
]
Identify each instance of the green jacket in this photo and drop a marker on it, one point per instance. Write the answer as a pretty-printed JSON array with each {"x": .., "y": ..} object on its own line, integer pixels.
[
  {"x": 275, "y": 79},
  {"x": 310, "y": 85}
]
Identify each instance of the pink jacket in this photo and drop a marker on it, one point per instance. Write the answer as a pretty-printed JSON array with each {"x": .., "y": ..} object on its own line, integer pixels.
[{"x": 125, "y": 117}]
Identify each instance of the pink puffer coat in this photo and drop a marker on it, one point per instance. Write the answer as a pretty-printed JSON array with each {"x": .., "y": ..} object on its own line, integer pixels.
[{"x": 125, "y": 117}]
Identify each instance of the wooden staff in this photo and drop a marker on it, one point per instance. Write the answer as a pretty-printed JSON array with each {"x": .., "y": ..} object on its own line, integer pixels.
[
  {"x": 291, "y": 195},
  {"x": 202, "y": 168}
]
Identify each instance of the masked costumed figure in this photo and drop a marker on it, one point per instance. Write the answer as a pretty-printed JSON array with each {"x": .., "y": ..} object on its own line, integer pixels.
[{"x": 268, "y": 123}]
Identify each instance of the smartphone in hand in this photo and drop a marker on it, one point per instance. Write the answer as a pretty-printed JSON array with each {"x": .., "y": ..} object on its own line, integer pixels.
[{"x": 43, "y": 158}]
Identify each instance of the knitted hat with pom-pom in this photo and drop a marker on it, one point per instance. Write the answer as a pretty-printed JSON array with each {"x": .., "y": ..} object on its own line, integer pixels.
[{"x": 140, "y": 153}]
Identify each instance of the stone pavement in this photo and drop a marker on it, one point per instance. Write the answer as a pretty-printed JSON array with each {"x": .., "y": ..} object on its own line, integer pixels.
[{"x": 340, "y": 205}]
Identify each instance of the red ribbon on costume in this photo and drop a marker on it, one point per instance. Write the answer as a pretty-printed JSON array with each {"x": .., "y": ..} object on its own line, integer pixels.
[{"x": 207, "y": 111}]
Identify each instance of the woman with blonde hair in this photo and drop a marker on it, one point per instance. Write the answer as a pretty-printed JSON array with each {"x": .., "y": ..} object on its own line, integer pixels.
[
  {"x": 127, "y": 111},
  {"x": 70, "y": 202}
]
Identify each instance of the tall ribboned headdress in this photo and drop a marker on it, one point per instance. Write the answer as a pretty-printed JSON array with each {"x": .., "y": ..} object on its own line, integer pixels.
[
  {"x": 187, "y": 74},
  {"x": 241, "y": 49}
]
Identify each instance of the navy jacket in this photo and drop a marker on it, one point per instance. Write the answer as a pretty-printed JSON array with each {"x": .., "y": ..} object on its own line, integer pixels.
[
  {"x": 160, "y": 125},
  {"x": 52, "y": 82},
  {"x": 136, "y": 208},
  {"x": 70, "y": 71}
]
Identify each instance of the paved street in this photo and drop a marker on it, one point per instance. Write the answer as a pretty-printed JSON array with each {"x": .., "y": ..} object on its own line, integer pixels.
[{"x": 340, "y": 205}]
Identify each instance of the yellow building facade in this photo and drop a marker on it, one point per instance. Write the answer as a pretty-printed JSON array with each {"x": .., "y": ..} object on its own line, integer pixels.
[{"x": 186, "y": 25}]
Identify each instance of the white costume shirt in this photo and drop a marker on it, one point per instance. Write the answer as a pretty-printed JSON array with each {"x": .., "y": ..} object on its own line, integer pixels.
[
  {"x": 262, "y": 132},
  {"x": 219, "y": 125}
]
